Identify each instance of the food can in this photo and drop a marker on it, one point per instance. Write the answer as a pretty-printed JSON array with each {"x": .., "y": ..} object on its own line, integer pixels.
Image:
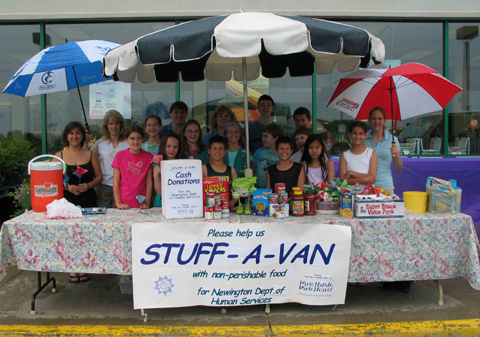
[
  {"x": 283, "y": 198},
  {"x": 280, "y": 187},
  {"x": 273, "y": 198},
  {"x": 226, "y": 212},
  {"x": 286, "y": 209},
  {"x": 208, "y": 213},
  {"x": 217, "y": 215},
  {"x": 225, "y": 204},
  {"x": 272, "y": 210},
  {"x": 280, "y": 212},
  {"x": 211, "y": 199}
]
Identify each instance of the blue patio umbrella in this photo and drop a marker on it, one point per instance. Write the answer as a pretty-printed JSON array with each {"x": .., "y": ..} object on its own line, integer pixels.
[{"x": 61, "y": 68}]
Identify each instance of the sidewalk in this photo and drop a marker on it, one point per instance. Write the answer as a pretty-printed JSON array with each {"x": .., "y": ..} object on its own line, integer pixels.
[{"x": 98, "y": 308}]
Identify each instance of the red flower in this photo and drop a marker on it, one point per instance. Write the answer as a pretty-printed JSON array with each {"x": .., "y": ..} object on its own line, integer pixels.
[{"x": 79, "y": 173}]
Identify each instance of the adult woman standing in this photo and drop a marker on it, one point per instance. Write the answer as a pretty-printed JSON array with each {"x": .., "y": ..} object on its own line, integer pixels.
[
  {"x": 220, "y": 118},
  {"x": 83, "y": 173},
  {"x": 379, "y": 139},
  {"x": 113, "y": 141}
]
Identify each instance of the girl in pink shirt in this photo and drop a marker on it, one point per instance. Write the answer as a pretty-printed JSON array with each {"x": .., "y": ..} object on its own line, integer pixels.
[{"x": 132, "y": 172}]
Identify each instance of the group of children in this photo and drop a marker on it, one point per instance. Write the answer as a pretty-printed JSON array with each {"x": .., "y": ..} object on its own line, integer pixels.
[{"x": 275, "y": 162}]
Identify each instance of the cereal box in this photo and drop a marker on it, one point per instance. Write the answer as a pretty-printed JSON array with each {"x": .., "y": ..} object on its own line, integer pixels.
[{"x": 216, "y": 185}]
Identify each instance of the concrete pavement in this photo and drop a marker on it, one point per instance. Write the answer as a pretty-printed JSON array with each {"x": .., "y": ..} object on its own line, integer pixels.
[{"x": 98, "y": 308}]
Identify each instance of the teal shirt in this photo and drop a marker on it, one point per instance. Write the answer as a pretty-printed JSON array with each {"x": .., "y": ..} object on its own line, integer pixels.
[
  {"x": 384, "y": 153},
  {"x": 240, "y": 162},
  {"x": 153, "y": 149}
]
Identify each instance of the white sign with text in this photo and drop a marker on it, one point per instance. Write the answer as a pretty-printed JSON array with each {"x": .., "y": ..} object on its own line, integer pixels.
[
  {"x": 108, "y": 95},
  {"x": 179, "y": 264}
]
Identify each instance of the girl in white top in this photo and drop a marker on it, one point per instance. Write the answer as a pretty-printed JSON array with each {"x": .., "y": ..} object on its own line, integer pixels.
[
  {"x": 360, "y": 163},
  {"x": 113, "y": 141}
]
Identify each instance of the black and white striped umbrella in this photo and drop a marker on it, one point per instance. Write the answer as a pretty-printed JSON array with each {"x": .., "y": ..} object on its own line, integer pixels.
[
  {"x": 241, "y": 44},
  {"x": 214, "y": 48}
]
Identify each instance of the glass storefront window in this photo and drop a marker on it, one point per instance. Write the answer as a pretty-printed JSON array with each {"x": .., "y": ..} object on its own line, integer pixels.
[
  {"x": 20, "y": 117},
  {"x": 464, "y": 109},
  {"x": 146, "y": 98},
  {"x": 403, "y": 45},
  {"x": 289, "y": 93}
]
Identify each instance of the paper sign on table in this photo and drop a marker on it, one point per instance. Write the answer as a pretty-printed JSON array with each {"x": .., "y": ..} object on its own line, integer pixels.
[{"x": 182, "y": 195}]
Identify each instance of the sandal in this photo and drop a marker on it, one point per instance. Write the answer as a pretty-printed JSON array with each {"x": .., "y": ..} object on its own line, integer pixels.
[
  {"x": 83, "y": 278},
  {"x": 73, "y": 278}
]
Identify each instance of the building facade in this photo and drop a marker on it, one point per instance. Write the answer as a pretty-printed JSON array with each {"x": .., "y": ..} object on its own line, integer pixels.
[{"x": 440, "y": 34}]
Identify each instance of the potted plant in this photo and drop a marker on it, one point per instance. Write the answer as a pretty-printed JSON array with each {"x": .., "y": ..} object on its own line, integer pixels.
[
  {"x": 328, "y": 195},
  {"x": 21, "y": 198}
]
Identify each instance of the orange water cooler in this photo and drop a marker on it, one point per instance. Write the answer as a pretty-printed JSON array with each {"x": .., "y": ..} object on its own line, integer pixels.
[{"x": 46, "y": 182}]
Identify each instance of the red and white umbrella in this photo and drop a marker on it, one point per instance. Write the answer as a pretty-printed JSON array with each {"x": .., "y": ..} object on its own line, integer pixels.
[{"x": 406, "y": 91}]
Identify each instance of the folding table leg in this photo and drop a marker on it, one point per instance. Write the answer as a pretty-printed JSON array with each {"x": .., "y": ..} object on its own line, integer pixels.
[
  {"x": 440, "y": 292},
  {"x": 40, "y": 287}
]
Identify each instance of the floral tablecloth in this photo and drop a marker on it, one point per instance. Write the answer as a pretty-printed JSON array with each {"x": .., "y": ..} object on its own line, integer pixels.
[{"x": 420, "y": 247}]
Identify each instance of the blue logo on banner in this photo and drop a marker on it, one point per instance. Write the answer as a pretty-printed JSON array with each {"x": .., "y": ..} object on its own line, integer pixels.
[{"x": 164, "y": 285}]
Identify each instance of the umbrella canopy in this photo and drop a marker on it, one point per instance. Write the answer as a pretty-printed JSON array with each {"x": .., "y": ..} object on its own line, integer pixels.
[
  {"x": 241, "y": 43},
  {"x": 214, "y": 47},
  {"x": 405, "y": 91},
  {"x": 54, "y": 69},
  {"x": 61, "y": 68}
]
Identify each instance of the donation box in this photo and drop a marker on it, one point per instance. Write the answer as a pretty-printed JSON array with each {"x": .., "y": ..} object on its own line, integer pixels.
[{"x": 182, "y": 188}]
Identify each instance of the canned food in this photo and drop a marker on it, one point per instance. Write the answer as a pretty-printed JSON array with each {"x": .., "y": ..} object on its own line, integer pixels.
[
  {"x": 217, "y": 215},
  {"x": 225, "y": 204},
  {"x": 209, "y": 213},
  {"x": 273, "y": 198},
  {"x": 280, "y": 212},
  {"x": 211, "y": 199},
  {"x": 283, "y": 198},
  {"x": 280, "y": 187},
  {"x": 272, "y": 211},
  {"x": 225, "y": 213},
  {"x": 286, "y": 209}
]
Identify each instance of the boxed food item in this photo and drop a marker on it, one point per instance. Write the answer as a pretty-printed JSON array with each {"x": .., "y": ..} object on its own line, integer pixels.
[
  {"x": 369, "y": 208},
  {"x": 216, "y": 186},
  {"x": 182, "y": 188},
  {"x": 346, "y": 204},
  {"x": 443, "y": 196},
  {"x": 260, "y": 202}
]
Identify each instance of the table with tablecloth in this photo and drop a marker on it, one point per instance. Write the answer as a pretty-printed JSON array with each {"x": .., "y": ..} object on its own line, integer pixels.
[{"x": 420, "y": 247}]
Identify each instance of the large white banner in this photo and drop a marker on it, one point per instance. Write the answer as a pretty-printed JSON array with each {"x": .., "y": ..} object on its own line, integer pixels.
[
  {"x": 108, "y": 95},
  {"x": 226, "y": 264}
]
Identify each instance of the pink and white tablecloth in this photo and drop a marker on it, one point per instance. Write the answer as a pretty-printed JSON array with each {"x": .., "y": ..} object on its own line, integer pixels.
[{"x": 420, "y": 247}]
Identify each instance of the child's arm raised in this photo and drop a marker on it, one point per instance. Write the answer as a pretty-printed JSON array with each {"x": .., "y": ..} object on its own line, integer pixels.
[
  {"x": 116, "y": 190},
  {"x": 146, "y": 203}
]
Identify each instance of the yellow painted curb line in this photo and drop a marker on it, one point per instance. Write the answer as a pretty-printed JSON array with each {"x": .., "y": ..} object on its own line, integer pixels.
[{"x": 441, "y": 328}]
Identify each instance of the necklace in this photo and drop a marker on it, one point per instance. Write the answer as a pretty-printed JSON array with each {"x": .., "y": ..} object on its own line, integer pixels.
[{"x": 72, "y": 152}]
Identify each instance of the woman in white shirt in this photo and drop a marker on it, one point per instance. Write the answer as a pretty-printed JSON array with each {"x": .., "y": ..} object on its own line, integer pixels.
[{"x": 113, "y": 141}]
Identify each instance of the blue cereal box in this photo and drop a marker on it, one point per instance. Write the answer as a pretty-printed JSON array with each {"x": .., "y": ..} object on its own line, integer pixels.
[{"x": 260, "y": 202}]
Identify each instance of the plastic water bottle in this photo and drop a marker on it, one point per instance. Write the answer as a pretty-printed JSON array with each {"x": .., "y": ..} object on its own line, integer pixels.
[{"x": 357, "y": 189}]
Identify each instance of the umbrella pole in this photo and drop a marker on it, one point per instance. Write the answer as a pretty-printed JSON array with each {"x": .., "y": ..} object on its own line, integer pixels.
[
  {"x": 391, "y": 107},
  {"x": 81, "y": 101},
  {"x": 248, "y": 171}
]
